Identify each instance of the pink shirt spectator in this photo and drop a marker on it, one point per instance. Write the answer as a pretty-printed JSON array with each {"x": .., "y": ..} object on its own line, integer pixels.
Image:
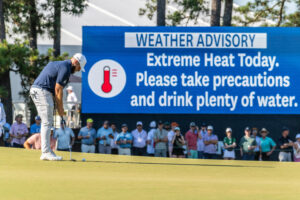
[
  {"x": 18, "y": 130},
  {"x": 191, "y": 139},
  {"x": 35, "y": 141}
]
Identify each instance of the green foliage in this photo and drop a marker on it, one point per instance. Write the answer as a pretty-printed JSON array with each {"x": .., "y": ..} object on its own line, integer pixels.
[
  {"x": 188, "y": 10},
  {"x": 262, "y": 13}
]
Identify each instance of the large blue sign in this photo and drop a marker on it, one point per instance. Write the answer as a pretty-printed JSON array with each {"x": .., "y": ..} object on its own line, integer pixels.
[{"x": 194, "y": 70}]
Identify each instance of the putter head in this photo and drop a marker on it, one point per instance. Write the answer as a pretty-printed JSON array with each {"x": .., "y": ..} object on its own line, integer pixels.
[{"x": 73, "y": 160}]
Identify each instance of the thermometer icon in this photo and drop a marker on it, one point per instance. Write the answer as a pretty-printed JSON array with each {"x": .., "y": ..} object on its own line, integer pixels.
[{"x": 106, "y": 86}]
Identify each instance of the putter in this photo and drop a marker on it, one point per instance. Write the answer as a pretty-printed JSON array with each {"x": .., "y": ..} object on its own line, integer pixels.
[{"x": 71, "y": 159}]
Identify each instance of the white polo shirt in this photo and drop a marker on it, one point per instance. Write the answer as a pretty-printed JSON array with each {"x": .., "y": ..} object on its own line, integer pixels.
[{"x": 139, "y": 138}]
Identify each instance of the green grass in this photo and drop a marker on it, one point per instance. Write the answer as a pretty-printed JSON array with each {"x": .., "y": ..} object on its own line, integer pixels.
[{"x": 24, "y": 176}]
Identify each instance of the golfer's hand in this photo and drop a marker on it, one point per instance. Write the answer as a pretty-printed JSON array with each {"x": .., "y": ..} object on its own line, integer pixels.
[{"x": 269, "y": 153}]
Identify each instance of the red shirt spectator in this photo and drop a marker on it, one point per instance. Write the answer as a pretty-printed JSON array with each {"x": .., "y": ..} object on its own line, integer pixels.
[{"x": 191, "y": 138}]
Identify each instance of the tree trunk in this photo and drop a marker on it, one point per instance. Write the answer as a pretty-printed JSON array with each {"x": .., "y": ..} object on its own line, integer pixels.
[
  {"x": 227, "y": 13},
  {"x": 33, "y": 15},
  {"x": 161, "y": 13},
  {"x": 2, "y": 24},
  {"x": 56, "y": 27},
  {"x": 7, "y": 101},
  {"x": 215, "y": 13}
]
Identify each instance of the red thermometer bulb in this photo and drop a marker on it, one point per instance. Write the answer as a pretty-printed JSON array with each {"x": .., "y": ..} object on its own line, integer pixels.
[{"x": 106, "y": 86}]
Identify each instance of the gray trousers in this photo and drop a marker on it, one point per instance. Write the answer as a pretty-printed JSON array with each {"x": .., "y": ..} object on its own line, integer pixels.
[
  {"x": 104, "y": 149},
  {"x": 160, "y": 153},
  {"x": 43, "y": 101}
]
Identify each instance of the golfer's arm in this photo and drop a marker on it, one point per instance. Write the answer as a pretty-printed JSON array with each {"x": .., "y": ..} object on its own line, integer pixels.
[{"x": 59, "y": 99}]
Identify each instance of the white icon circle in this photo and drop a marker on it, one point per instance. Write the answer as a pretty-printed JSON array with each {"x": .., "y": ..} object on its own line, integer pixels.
[{"x": 107, "y": 78}]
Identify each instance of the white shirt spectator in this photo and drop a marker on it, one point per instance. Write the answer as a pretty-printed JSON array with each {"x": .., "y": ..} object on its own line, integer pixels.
[
  {"x": 63, "y": 137},
  {"x": 71, "y": 98},
  {"x": 113, "y": 143},
  {"x": 150, "y": 137},
  {"x": 2, "y": 118},
  {"x": 170, "y": 137},
  {"x": 200, "y": 142},
  {"x": 139, "y": 138},
  {"x": 258, "y": 141}
]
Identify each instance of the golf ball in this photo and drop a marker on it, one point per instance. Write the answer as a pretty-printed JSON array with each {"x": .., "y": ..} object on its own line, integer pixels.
[{"x": 83, "y": 159}]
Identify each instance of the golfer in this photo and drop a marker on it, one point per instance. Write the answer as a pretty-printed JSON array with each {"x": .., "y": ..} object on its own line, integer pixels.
[{"x": 48, "y": 85}]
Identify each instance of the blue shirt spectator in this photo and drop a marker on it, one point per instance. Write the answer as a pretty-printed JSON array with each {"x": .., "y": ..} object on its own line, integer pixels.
[
  {"x": 36, "y": 128},
  {"x": 103, "y": 135},
  {"x": 63, "y": 136},
  {"x": 122, "y": 137},
  {"x": 87, "y": 132}
]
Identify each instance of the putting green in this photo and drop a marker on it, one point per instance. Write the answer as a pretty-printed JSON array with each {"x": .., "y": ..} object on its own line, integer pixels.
[{"x": 24, "y": 176}]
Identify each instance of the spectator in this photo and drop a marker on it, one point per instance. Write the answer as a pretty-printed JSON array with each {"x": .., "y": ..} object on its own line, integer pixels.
[
  {"x": 18, "y": 132},
  {"x": 210, "y": 141},
  {"x": 297, "y": 148},
  {"x": 124, "y": 140},
  {"x": 71, "y": 104},
  {"x": 257, "y": 139},
  {"x": 161, "y": 140},
  {"x": 178, "y": 142},
  {"x": 64, "y": 136},
  {"x": 34, "y": 141},
  {"x": 36, "y": 127},
  {"x": 139, "y": 140},
  {"x": 265, "y": 145},
  {"x": 150, "y": 139},
  {"x": 200, "y": 143},
  {"x": 229, "y": 145},
  {"x": 286, "y": 146},
  {"x": 191, "y": 138},
  {"x": 171, "y": 134},
  {"x": 113, "y": 144},
  {"x": 2, "y": 117},
  {"x": 247, "y": 145},
  {"x": 167, "y": 126},
  {"x": 87, "y": 136},
  {"x": 6, "y": 138},
  {"x": 104, "y": 136}
]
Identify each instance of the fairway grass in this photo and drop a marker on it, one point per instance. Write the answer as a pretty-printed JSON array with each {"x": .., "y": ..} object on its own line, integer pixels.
[{"x": 23, "y": 176}]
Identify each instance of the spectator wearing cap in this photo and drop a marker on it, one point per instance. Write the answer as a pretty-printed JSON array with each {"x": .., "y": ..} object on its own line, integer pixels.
[
  {"x": 297, "y": 148},
  {"x": 200, "y": 143},
  {"x": 167, "y": 126},
  {"x": 87, "y": 135},
  {"x": 124, "y": 140},
  {"x": 36, "y": 127},
  {"x": 18, "y": 132},
  {"x": 178, "y": 142},
  {"x": 139, "y": 136},
  {"x": 210, "y": 142},
  {"x": 104, "y": 136},
  {"x": 161, "y": 140},
  {"x": 34, "y": 141},
  {"x": 229, "y": 145},
  {"x": 113, "y": 142},
  {"x": 150, "y": 139},
  {"x": 191, "y": 138},
  {"x": 266, "y": 143},
  {"x": 257, "y": 139},
  {"x": 247, "y": 145},
  {"x": 65, "y": 138},
  {"x": 71, "y": 103},
  {"x": 286, "y": 146},
  {"x": 171, "y": 134}
]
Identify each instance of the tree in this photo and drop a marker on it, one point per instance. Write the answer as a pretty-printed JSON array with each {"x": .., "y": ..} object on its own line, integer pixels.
[
  {"x": 161, "y": 13},
  {"x": 53, "y": 23},
  {"x": 215, "y": 12},
  {"x": 227, "y": 13},
  {"x": 2, "y": 24},
  {"x": 262, "y": 13},
  {"x": 188, "y": 10}
]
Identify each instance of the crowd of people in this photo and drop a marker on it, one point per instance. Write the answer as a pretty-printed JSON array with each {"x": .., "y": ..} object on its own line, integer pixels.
[{"x": 164, "y": 139}]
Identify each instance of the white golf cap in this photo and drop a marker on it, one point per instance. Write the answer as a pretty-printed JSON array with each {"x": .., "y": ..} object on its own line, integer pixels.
[
  {"x": 81, "y": 59},
  {"x": 153, "y": 124},
  {"x": 298, "y": 136},
  {"x": 139, "y": 123},
  {"x": 228, "y": 129},
  {"x": 210, "y": 127},
  {"x": 69, "y": 87}
]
